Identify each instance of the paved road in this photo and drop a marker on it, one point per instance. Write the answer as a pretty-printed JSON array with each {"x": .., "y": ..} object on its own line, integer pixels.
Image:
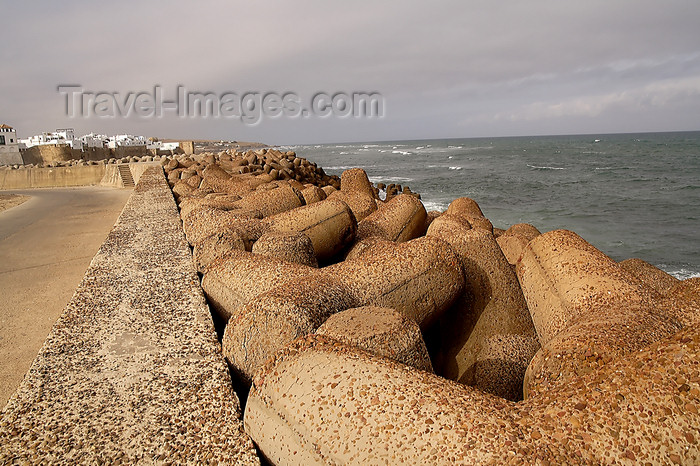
[{"x": 46, "y": 244}]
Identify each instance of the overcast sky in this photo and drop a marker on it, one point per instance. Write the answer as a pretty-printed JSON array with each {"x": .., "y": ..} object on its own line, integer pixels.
[{"x": 444, "y": 69}]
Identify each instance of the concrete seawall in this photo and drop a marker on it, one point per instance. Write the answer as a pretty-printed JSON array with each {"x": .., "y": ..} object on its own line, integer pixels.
[
  {"x": 61, "y": 177},
  {"x": 132, "y": 371}
]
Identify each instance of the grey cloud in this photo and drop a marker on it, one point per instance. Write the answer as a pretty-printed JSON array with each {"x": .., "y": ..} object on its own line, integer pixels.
[{"x": 446, "y": 69}]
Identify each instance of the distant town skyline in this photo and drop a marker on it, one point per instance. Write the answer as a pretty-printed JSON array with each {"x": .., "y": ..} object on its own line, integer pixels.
[{"x": 440, "y": 70}]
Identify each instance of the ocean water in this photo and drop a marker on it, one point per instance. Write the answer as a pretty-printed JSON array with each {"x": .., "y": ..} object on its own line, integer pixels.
[{"x": 630, "y": 195}]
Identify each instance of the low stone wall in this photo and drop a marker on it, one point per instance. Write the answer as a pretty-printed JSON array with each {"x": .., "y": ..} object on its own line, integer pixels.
[
  {"x": 60, "y": 177},
  {"x": 51, "y": 177},
  {"x": 132, "y": 371}
]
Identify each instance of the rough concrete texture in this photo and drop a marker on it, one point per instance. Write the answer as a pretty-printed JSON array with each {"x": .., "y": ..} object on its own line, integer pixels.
[
  {"x": 382, "y": 331},
  {"x": 330, "y": 224},
  {"x": 431, "y": 215},
  {"x": 470, "y": 210},
  {"x": 368, "y": 244},
  {"x": 420, "y": 278},
  {"x": 205, "y": 221},
  {"x": 132, "y": 371},
  {"x": 296, "y": 299},
  {"x": 464, "y": 206},
  {"x": 487, "y": 337},
  {"x": 236, "y": 278},
  {"x": 271, "y": 202},
  {"x": 448, "y": 225},
  {"x": 275, "y": 318},
  {"x": 401, "y": 219},
  {"x": 651, "y": 276},
  {"x": 215, "y": 201},
  {"x": 287, "y": 246},
  {"x": 683, "y": 301},
  {"x": 313, "y": 194},
  {"x": 215, "y": 246},
  {"x": 586, "y": 308},
  {"x": 513, "y": 240},
  {"x": 360, "y": 204},
  {"x": 355, "y": 180},
  {"x": 357, "y": 192},
  {"x": 563, "y": 277},
  {"x": 364, "y": 409}
]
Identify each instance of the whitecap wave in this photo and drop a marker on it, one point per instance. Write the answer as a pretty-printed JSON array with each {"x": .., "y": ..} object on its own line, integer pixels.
[
  {"x": 402, "y": 152},
  {"x": 683, "y": 274},
  {"x": 339, "y": 167},
  {"x": 435, "y": 205},
  {"x": 389, "y": 179},
  {"x": 545, "y": 168},
  {"x": 455, "y": 168}
]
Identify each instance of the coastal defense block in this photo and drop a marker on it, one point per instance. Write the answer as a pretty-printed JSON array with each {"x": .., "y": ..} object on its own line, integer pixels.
[
  {"x": 651, "y": 276},
  {"x": 401, "y": 219},
  {"x": 271, "y": 202},
  {"x": 215, "y": 246},
  {"x": 322, "y": 402},
  {"x": 275, "y": 318},
  {"x": 205, "y": 221},
  {"x": 382, "y": 331},
  {"x": 470, "y": 210},
  {"x": 356, "y": 191},
  {"x": 514, "y": 240},
  {"x": 240, "y": 276},
  {"x": 287, "y": 246},
  {"x": 329, "y": 224},
  {"x": 420, "y": 278},
  {"x": 587, "y": 309},
  {"x": 487, "y": 338},
  {"x": 563, "y": 277},
  {"x": 429, "y": 279}
]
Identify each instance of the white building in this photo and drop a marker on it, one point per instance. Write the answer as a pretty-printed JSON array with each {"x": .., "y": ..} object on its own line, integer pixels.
[
  {"x": 125, "y": 140},
  {"x": 93, "y": 140},
  {"x": 60, "y": 136},
  {"x": 9, "y": 146}
]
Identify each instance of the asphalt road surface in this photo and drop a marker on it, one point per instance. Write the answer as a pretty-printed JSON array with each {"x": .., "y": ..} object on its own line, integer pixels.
[{"x": 46, "y": 245}]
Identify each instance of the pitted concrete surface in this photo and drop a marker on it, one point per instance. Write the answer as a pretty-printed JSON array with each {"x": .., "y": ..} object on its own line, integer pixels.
[
  {"x": 132, "y": 371},
  {"x": 46, "y": 245}
]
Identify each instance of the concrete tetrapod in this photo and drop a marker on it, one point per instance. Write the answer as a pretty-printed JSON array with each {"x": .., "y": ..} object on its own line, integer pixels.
[
  {"x": 271, "y": 202},
  {"x": 275, "y": 318},
  {"x": 223, "y": 202},
  {"x": 487, "y": 338},
  {"x": 356, "y": 191},
  {"x": 204, "y": 221},
  {"x": 651, "y": 276},
  {"x": 401, "y": 219},
  {"x": 382, "y": 331},
  {"x": 683, "y": 301},
  {"x": 428, "y": 281},
  {"x": 469, "y": 209},
  {"x": 240, "y": 276},
  {"x": 586, "y": 308},
  {"x": 329, "y": 224},
  {"x": 287, "y": 246},
  {"x": 514, "y": 240},
  {"x": 215, "y": 246},
  {"x": 322, "y": 402},
  {"x": 419, "y": 278}
]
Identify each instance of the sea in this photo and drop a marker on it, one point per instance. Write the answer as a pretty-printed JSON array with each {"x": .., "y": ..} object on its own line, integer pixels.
[{"x": 630, "y": 195}]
